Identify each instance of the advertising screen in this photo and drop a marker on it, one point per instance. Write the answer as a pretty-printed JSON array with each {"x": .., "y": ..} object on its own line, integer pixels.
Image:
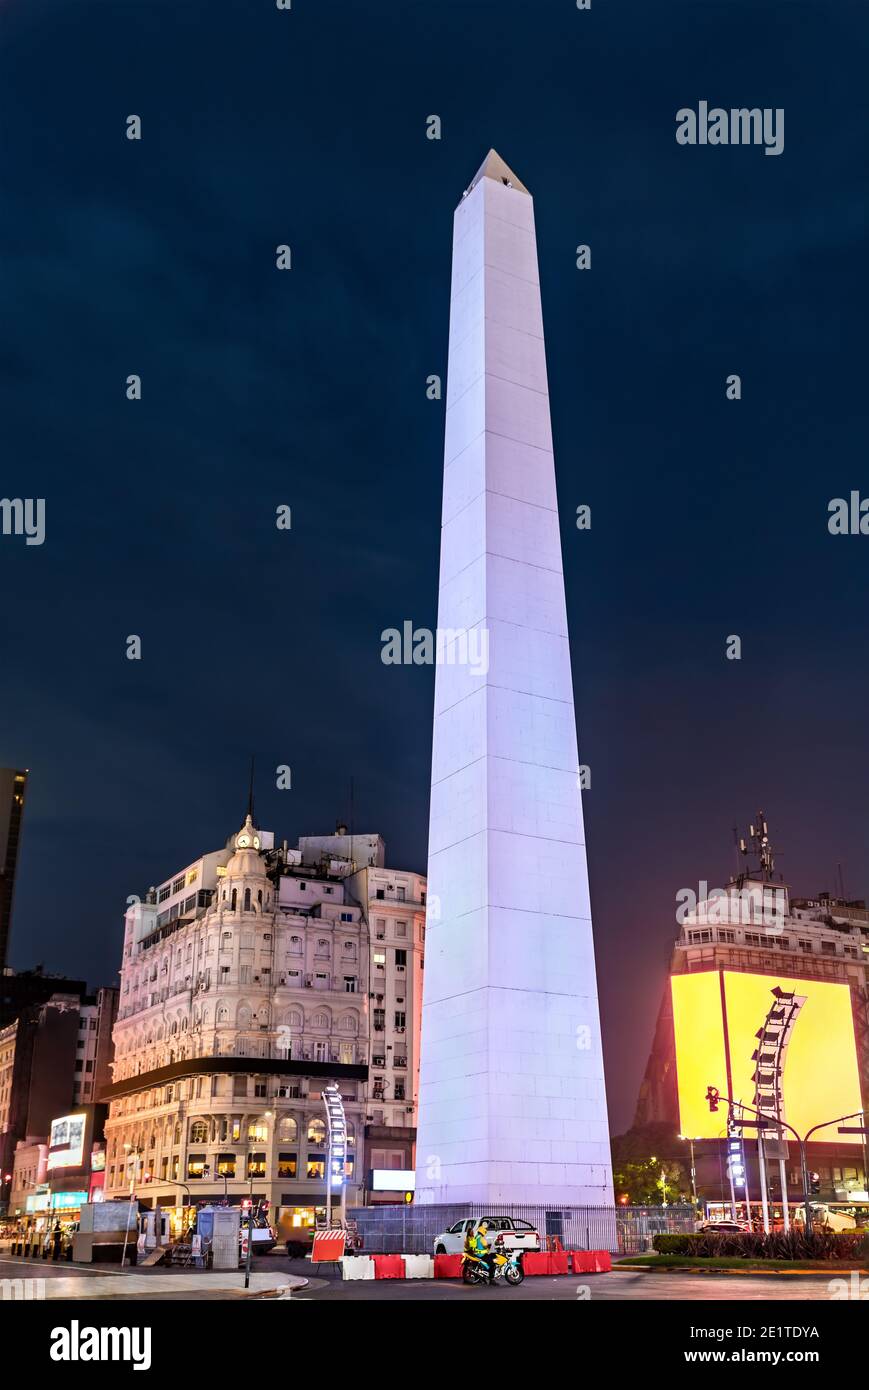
[
  {"x": 717, "y": 1017},
  {"x": 66, "y": 1141}
]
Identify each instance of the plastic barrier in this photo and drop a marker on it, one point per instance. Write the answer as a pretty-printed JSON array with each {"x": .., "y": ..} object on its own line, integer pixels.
[
  {"x": 559, "y": 1262},
  {"x": 388, "y": 1266},
  {"x": 591, "y": 1261},
  {"x": 357, "y": 1267},
  {"x": 447, "y": 1266},
  {"x": 419, "y": 1267},
  {"x": 536, "y": 1261}
]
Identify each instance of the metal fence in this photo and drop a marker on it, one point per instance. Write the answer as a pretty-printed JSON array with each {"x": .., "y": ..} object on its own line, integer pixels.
[{"x": 413, "y": 1229}]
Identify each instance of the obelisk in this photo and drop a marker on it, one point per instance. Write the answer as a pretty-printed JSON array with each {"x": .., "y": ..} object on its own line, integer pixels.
[{"x": 512, "y": 1098}]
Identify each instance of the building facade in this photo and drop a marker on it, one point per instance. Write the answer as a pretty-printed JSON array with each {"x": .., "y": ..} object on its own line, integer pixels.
[
  {"x": 756, "y": 928},
  {"x": 247, "y": 987}
]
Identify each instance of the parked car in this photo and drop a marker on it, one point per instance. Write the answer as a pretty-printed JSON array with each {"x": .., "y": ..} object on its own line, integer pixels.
[
  {"x": 514, "y": 1234},
  {"x": 725, "y": 1227}
]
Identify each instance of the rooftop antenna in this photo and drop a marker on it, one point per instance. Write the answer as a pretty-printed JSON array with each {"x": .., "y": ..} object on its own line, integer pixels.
[
  {"x": 841, "y": 882},
  {"x": 758, "y": 844},
  {"x": 250, "y": 790}
]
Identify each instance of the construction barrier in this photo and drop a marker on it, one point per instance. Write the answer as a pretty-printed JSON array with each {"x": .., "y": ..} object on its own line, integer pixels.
[
  {"x": 450, "y": 1266},
  {"x": 591, "y": 1261},
  {"x": 328, "y": 1245},
  {"x": 357, "y": 1267}
]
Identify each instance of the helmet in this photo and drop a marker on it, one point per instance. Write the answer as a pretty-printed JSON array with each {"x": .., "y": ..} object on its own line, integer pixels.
[{"x": 482, "y": 1228}]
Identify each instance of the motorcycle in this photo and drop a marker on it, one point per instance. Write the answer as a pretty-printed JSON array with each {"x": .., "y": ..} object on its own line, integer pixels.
[{"x": 507, "y": 1265}]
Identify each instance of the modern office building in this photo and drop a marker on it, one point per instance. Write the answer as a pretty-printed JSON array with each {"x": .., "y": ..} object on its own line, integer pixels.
[
  {"x": 13, "y": 787},
  {"x": 281, "y": 970},
  {"x": 512, "y": 1099}
]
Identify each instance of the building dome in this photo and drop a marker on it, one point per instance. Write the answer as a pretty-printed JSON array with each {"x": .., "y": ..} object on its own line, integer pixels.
[{"x": 246, "y": 861}]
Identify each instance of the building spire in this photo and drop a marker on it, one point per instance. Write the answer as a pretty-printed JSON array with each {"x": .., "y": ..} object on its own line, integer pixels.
[{"x": 250, "y": 791}]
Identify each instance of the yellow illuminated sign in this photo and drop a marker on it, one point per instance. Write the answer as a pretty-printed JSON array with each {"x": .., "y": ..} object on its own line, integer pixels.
[{"x": 716, "y": 1015}]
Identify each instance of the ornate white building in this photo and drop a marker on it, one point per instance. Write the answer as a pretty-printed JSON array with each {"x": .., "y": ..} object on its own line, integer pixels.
[{"x": 248, "y": 981}]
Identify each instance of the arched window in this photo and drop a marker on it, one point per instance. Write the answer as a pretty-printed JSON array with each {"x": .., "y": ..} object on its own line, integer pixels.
[
  {"x": 176, "y": 1137},
  {"x": 288, "y": 1130},
  {"x": 320, "y": 1021},
  {"x": 234, "y": 898},
  {"x": 348, "y": 1024},
  {"x": 242, "y": 1018},
  {"x": 316, "y": 1132},
  {"x": 259, "y": 897},
  {"x": 247, "y": 900},
  {"x": 222, "y": 1013},
  {"x": 199, "y": 1132},
  {"x": 294, "y": 1018}
]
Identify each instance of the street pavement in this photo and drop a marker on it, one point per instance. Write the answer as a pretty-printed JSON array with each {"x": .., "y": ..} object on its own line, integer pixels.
[
  {"x": 273, "y": 1273},
  {"x": 602, "y": 1288}
]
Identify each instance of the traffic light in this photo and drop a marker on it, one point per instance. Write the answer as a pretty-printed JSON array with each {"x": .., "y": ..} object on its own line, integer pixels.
[
  {"x": 712, "y": 1094},
  {"x": 814, "y": 1182}
]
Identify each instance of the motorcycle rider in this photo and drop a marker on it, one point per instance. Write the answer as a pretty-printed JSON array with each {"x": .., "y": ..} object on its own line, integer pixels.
[{"x": 477, "y": 1248}]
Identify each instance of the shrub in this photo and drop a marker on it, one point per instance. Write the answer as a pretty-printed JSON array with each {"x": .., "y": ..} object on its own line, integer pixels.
[{"x": 778, "y": 1245}]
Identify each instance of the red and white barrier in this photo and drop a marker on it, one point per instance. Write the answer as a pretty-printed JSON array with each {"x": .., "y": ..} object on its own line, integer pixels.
[{"x": 547, "y": 1262}]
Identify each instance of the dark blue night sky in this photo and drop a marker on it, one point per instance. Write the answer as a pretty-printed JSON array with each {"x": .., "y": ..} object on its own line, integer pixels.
[{"x": 308, "y": 388}]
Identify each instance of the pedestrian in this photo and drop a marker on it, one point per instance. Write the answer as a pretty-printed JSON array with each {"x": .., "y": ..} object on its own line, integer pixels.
[{"x": 56, "y": 1238}]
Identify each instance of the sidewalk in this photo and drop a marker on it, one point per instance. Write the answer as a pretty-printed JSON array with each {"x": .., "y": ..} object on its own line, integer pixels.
[{"x": 110, "y": 1285}]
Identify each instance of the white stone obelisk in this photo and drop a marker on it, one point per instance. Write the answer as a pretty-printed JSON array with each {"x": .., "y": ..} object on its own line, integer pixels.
[{"x": 512, "y": 1098}]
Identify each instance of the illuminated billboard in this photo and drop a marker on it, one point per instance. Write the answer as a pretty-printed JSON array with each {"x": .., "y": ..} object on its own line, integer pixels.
[
  {"x": 719, "y": 1017},
  {"x": 66, "y": 1141}
]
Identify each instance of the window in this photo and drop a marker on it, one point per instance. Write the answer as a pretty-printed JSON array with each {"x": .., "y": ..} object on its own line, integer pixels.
[
  {"x": 399, "y": 1090},
  {"x": 401, "y": 893},
  {"x": 288, "y": 1165},
  {"x": 288, "y": 1130},
  {"x": 349, "y": 984},
  {"x": 316, "y": 1132},
  {"x": 199, "y": 1132},
  {"x": 380, "y": 959},
  {"x": 316, "y": 1168},
  {"x": 256, "y": 1165},
  {"x": 164, "y": 893},
  {"x": 828, "y": 948},
  {"x": 401, "y": 959},
  {"x": 380, "y": 894},
  {"x": 379, "y": 1020},
  {"x": 258, "y": 1132},
  {"x": 226, "y": 1165},
  {"x": 197, "y": 1166},
  {"x": 346, "y": 916},
  {"x": 401, "y": 929},
  {"x": 400, "y": 1019}
]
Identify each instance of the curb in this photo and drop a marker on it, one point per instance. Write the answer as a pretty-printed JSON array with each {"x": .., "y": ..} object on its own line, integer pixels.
[{"x": 836, "y": 1273}]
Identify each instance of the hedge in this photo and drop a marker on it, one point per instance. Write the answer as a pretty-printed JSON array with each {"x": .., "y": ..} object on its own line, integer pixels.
[{"x": 778, "y": 1245}]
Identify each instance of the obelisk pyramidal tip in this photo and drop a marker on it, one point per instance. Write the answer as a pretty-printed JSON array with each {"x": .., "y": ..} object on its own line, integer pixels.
[
  {"x": 512, "y": 1100},
  {"x": 494, "y": 167}
]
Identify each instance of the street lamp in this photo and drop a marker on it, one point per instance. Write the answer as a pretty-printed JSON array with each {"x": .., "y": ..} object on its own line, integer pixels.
[{"x": 690, "y": 1140}]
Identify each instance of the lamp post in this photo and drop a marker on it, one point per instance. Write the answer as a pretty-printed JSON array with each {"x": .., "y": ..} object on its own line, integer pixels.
[
  {"x": 689, "y": 1140},
  {"x": 129, "y": 1150}
]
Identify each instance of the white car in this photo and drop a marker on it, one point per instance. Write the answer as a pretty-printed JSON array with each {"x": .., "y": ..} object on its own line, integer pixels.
[{"x": 514, "y": 1234}]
